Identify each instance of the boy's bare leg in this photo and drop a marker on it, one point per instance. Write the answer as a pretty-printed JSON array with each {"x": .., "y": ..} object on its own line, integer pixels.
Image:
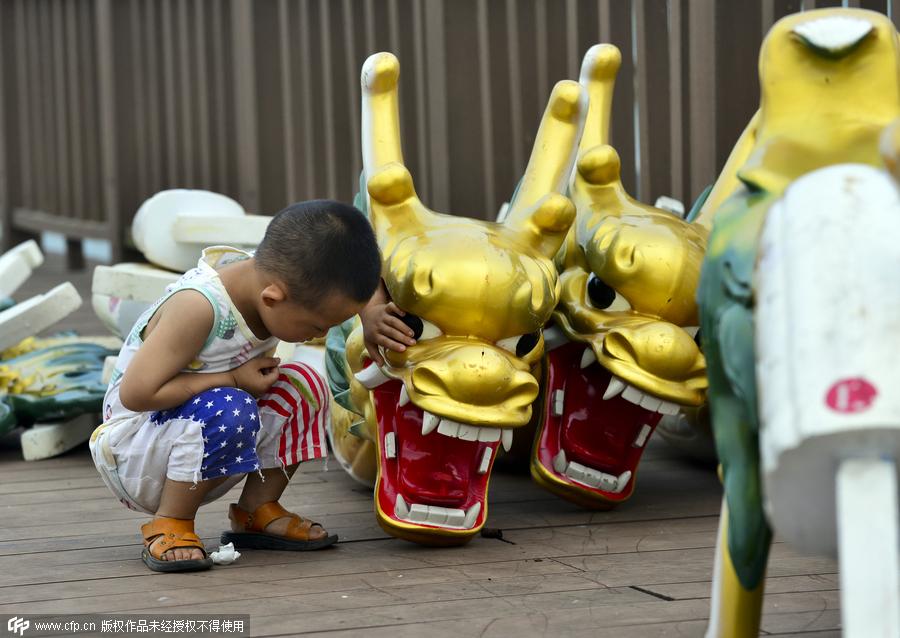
[
  {"x": 182, "y": 499},
  {"x": 265, "y": 489}
]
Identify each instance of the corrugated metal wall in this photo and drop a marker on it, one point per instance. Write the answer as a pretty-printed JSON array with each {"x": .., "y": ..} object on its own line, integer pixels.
[{"x": 106, "y": 102}]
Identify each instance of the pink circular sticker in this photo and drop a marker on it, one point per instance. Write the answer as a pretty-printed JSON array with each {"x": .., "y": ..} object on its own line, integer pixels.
[{"x": 851, "y": 395}]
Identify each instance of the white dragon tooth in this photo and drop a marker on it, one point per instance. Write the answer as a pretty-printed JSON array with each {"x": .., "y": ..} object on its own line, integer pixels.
[
  {"x": 455, "y": 517},
  {"x": 390, "y": 445},
  {"x": 606, "y": 481},
  {"x": 485, "y": 461},
  {"x": 372, "y": 376},
  {"x": 641, "y": 438},
  {"x": 448, "y": 427},
  {"x": 418, "y": 513},
  {"x": 489, "y": 435},
  {"x": 560, "y": 463},
  {"x": 587, "y": 358},
  {"x": 401, "y": 509},
  {"x": 404, "y": 397},
  {"x": 666, "y": 407},
  {"x": 692, "y": 331},
  {"x": 472, "y": 516},
  {"x": 622, "y": 481},
  {"x": 554, "y": 338},
  {"x": 559, "y": 398},
  {"x": 466, "y": 432},
  {"x": 614, "y": 389},
  {"x": 632, "y": 394},
  {"x": 650, "y": 403},
  {"x": 429, "y": 423},
  {"x": 506, "y": 439}
]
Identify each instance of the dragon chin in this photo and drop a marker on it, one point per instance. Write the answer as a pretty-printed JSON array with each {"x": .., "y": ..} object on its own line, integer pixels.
[
  {"x": 587, "y": 449},
  {"x": 431, "y": 488}
]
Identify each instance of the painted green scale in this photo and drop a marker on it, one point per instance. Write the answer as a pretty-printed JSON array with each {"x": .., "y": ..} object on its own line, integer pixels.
[{"x": 55, "y": 379}]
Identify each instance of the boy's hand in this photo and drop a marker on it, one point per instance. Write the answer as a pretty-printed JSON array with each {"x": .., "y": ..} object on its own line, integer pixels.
[
  {"x": 257, "y": 375},
  {"x": 382, "y": 327}
]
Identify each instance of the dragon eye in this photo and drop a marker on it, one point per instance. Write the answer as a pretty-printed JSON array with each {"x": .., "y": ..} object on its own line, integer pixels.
[
  {"x": 522, "y": 344},
  {"x": 422, "y": 328},
  {"x": 604, "y": 297}
]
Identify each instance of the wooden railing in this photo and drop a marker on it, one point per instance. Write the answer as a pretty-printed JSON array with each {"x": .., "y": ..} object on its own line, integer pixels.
[{"x": 106, "y": 102}]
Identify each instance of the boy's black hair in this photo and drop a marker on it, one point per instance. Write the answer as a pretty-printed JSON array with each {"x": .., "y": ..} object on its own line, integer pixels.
[{"x": 320, "y": 247}]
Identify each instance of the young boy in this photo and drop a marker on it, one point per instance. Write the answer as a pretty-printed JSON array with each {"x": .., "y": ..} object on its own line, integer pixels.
[{"x": 197, "y": 402}]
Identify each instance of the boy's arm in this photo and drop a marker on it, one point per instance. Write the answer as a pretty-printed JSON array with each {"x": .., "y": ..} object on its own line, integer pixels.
[
  {"x": 382, "y": 325},
  {"x": 153, "y": 379}
]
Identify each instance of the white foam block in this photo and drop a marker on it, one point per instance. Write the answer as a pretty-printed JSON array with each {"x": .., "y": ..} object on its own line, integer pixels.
[
  {"x": 36, "y": 314},
  {"x": 17, "y": 264},
  {"x": 44, "y": 441}
]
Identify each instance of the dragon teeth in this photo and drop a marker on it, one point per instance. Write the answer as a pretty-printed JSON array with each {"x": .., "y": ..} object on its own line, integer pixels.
[
  {"x": 587, "y": 358},
  {"x": 614, "y": 389},
  {"x": 449, "y": 517},
  {"x": 641, "y": 438},
  {"x": 372, "y": 376},
  {"x": 472, "y": 516},
  {"x": 589, "y": 476},
  {"x": 429, "y": 422},
  {"x": 485, "y": 461},
  {"x": 506, "y": 439},
  {"x": 560, "y": 463},
  {"x": 666, "y": 407},
  {"x": 390, "y": 445},
  {"x": 404, "y": 397},
  {"x": 559, "y": 398},
  {"x": 401, "y": 509}
]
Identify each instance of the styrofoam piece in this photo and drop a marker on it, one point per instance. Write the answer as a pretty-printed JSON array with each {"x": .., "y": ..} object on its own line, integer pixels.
[
  {"x": 38, "y": 313},
  {"x": 828, "y": 334},
  {"x": 869, "y": 558},
  {"x": 141, "y": 282},
  {"x": 154, "y": 223},
  {"x": 44, "y": 441},
  {"x": 211, "y": 230},
  {"x": 121, "y": 293},
  {"x": 17, "y": 264}
]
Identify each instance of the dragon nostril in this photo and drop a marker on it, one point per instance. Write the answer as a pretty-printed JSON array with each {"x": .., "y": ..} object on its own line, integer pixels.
[{"x": 618, "y": 345}]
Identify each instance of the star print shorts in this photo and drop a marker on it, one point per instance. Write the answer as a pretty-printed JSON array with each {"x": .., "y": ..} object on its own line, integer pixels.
[{"x": 221, "y": 433}]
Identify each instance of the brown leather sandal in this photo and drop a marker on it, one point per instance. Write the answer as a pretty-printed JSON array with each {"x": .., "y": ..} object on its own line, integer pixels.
[
  {"x": 161, "y": 535},
  {"x": 302, "y": 534}
]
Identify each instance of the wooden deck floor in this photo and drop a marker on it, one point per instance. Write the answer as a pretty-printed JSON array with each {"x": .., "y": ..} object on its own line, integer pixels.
[{"x": 643, "y": 569}]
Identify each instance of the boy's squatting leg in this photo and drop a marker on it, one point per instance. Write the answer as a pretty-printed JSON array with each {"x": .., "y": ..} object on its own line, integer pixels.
[{"x": 182, "y": 500}]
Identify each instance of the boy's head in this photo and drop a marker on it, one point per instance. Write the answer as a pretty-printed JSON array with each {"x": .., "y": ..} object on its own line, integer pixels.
[{"x": 321, "y": 264}]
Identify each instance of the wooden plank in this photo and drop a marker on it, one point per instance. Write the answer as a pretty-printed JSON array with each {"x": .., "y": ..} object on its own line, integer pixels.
[
  {"x": 244, "y": 96},
  {"x": 106, "y": 96},
  {"x": 155, "y": 99},
  {"x": 328, "y": 99},
  {"x": 703, "y": 114},
  {"x": 188, "y": 127},
  {"x": 515, "y": 89},
  {"x": 90, "y": 108},
  {"x": 60, "y": 102},
  {"x": 489, "y": 204},
  {"x": 615, "y": 28},
  {"x": 38, "y": 221},
  {"x": 679, "y": 103},
  {"x": 285, "y": 43},
  {"x": 653, "y": 99},
  {"x": 438, "y": 121}
]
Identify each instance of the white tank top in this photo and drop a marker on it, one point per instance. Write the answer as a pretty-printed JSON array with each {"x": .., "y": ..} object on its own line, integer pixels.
[{"x": 230, "y": 342}]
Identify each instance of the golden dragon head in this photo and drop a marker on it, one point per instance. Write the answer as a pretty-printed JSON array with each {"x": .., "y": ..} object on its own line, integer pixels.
[
  {"x": 478, "y": 294},
  {"x": 622, "y": 350}
]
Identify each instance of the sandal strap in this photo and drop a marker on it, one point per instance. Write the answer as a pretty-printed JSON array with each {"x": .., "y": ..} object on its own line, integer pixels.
[
  {"x": 266, "y": 513},
  {"x": 163, "y": 534}
]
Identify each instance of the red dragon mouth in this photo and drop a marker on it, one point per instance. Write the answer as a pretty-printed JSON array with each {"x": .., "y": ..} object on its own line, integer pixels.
[
  {"x": 433, "y": 471},
  {"x": 588, "y": 447}
]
